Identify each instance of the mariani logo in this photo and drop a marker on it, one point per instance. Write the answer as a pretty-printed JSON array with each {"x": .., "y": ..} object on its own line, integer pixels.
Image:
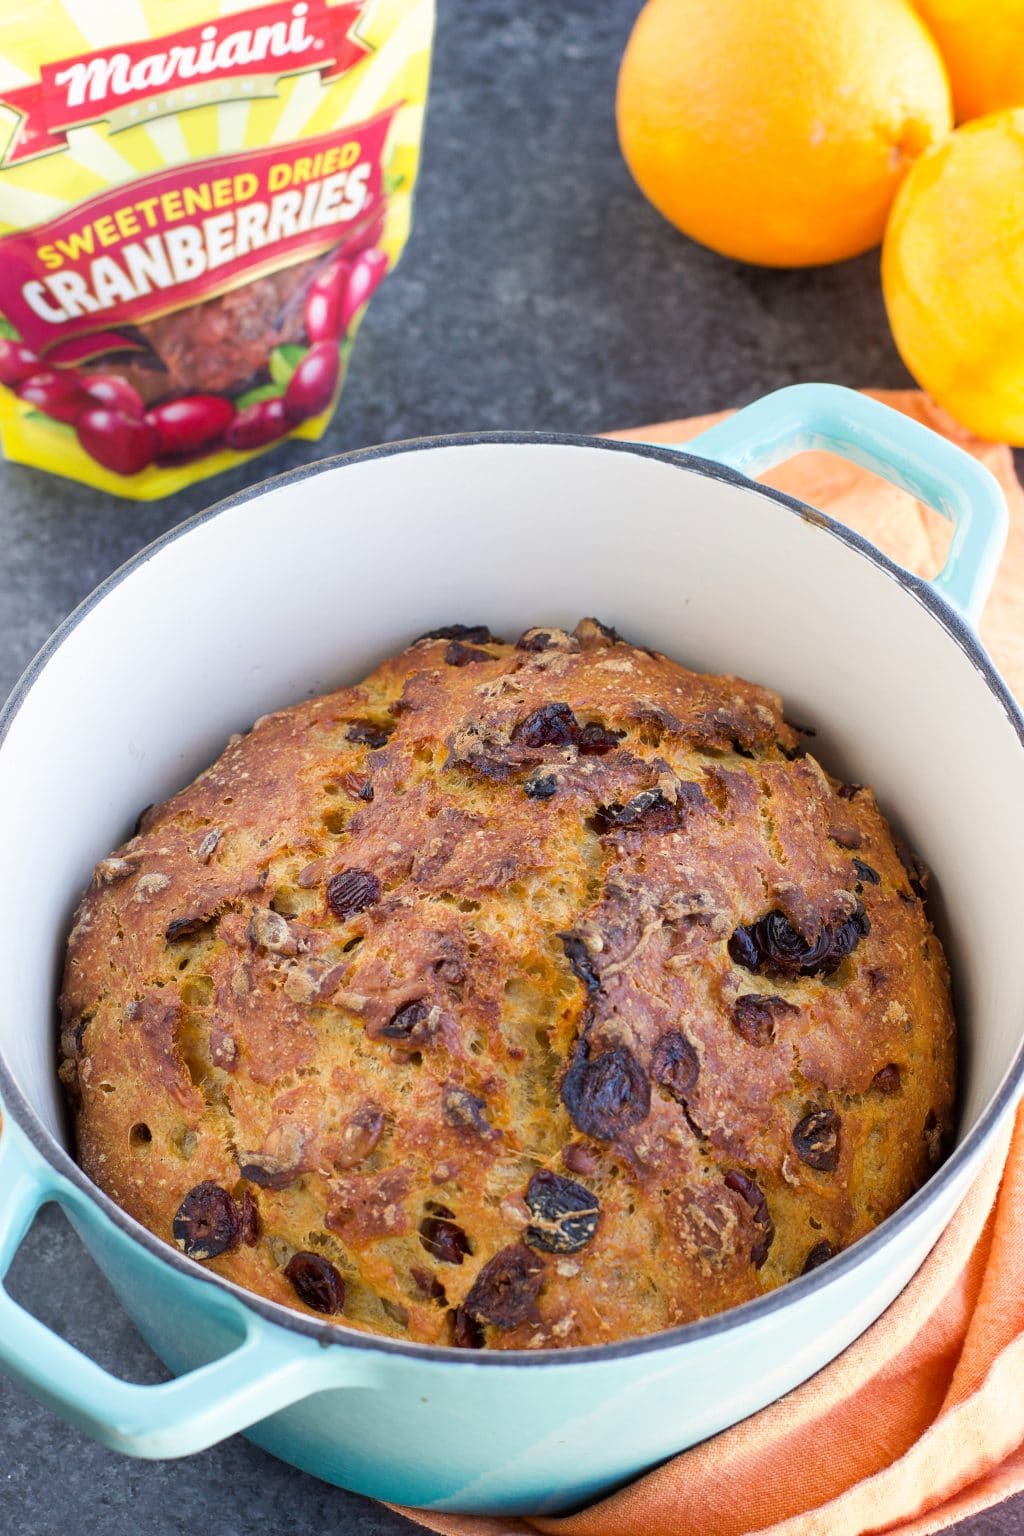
[
  {"x": 237, "y": 57},
  {"x": 102, "y": 79}
]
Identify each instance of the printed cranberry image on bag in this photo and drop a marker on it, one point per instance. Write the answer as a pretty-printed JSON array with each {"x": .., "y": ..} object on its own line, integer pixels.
[{"x": 192, "y": 224}]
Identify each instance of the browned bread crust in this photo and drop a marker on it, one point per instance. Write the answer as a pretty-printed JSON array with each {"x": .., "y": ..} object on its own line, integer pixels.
[{"x": 523, "y": 996}]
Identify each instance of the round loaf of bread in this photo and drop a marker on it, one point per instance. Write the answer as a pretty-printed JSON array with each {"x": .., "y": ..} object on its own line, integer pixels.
[{"x": 525, "y": 996}]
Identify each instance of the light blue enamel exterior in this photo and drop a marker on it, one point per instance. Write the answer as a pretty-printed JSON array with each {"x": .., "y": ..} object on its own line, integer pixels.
[
  {"x": 899, "y": 449},
  {"x": 499, "y": 1432},
  {"x": 487, "y": 1434}
]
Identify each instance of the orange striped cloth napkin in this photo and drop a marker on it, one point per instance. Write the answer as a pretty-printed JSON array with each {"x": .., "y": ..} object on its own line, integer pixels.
[{"x": 919, "y": 1423}]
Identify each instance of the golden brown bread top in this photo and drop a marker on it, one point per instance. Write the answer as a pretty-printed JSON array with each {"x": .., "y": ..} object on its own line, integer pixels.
[{"x": 526, "y": 996}]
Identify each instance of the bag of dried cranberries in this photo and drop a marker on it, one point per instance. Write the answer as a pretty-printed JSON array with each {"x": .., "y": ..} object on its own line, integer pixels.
[{"x": 192, "y": 222}]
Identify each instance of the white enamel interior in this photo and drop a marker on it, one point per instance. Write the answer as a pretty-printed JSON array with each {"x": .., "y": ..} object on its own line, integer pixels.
[{"x": 310, "y": 584}]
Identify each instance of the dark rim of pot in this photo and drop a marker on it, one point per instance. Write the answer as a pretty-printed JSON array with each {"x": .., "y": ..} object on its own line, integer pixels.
[{"x": 772, "y": 1302}]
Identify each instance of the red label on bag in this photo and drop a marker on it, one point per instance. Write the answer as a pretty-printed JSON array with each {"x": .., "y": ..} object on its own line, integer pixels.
[
  {"x": 184, "y": 234},
  {"x": 177, "y": 71}
]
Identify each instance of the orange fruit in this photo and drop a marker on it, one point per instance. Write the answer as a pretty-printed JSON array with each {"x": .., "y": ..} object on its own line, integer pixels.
[
  {"x": 777, "y": 131},
  {"x": 982, "y": 42},
  {"x": 953, "y": 274}
]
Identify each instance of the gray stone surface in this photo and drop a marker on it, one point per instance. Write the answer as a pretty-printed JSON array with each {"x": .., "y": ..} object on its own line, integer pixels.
[{"x": 539, "y": 290}]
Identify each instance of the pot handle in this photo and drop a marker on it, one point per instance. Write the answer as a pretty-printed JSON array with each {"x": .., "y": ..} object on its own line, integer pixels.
[
  {"x": 268, "y": 1370},
  {"x": 901, "y": 450}
]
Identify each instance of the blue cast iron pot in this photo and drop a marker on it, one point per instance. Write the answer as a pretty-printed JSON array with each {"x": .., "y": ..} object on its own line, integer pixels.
[{"x": 306, "y": 582}]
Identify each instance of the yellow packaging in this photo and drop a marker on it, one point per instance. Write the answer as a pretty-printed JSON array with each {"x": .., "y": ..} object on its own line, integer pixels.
[{"x": 193, "y": 219}]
